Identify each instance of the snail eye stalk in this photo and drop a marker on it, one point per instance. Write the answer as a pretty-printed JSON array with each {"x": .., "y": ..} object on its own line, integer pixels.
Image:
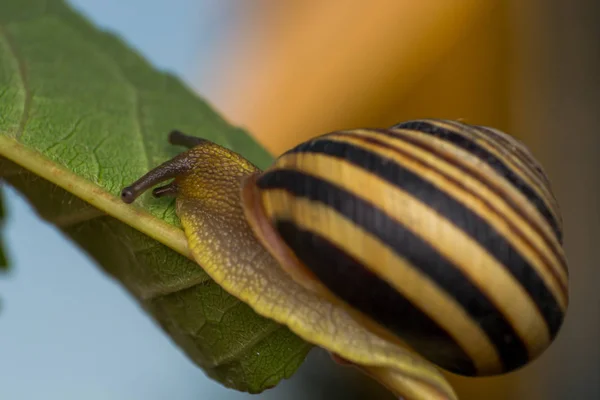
[
  {"x": 179, "y": 138},
  {"x": 168, "y": 170}
]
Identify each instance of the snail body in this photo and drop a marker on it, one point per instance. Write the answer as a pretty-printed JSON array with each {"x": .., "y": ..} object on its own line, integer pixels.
[{"x": 436, "y": 236}]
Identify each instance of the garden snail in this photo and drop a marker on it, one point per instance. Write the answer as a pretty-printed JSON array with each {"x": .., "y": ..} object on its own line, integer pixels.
[{"x": 432, "y": 235}]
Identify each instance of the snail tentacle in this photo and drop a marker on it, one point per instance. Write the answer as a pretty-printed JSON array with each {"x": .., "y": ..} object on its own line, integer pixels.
[
  {"x": 179, "y": 138},
  {"x": 168, "y": 170}
]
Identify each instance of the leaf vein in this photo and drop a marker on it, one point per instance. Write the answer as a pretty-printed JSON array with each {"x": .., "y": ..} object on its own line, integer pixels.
[
  {"x": 69, "y": 134},
  {"x": 248, "y": 346},
  {"x": 3, "y": 92},
  {"x": 138, "y": 119},
  {"x": 283, "y": 367},
  {"x": 22, "y": 77},
  {"x": 97, "y": 158},
  {"x": 179, "y": 287}
]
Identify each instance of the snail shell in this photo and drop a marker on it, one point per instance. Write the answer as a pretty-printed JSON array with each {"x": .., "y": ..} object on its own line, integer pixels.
[{"x": 444, "y": 234}]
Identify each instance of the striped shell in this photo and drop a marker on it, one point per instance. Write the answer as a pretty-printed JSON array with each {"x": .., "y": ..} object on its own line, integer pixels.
[{"x": 443, "y": 234}]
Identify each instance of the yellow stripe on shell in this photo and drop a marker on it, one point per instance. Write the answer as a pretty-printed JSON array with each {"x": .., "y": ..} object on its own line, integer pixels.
[
  {"x": 512, "y": 149},
  {"x": 502, "y": 139},
  {"x": 555, "y": 255},
  {"x": 385, "y": 263},
  {"x": 524, "y": 172},
  {"x": 466, "y": 160},
  {"x": 507, "y": 294}
]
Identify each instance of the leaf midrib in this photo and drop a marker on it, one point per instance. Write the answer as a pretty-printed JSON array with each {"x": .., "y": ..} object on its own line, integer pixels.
[{"x": 93, "y": 194}]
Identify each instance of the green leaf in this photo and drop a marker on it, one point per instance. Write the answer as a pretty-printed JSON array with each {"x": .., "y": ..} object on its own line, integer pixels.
[{"x": 82, "y": 115}]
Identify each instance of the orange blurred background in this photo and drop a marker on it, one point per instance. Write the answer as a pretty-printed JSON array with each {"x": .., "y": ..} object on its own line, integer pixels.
[{"x": 293, "y": 70}]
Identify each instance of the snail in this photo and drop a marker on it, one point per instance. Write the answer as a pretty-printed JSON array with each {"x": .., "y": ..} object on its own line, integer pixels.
[{"x": 432, "y": 244}]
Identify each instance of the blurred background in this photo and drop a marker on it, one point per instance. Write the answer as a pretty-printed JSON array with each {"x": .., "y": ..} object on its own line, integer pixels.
[{"x": 287, "y": 71}]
